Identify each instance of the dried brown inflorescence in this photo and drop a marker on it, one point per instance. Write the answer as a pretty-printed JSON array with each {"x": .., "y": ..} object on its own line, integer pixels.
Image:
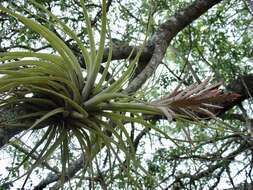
[{"x": 198, "y": 101}]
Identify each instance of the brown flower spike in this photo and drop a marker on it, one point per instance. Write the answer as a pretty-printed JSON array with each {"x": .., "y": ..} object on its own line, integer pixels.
[{"x": 198, "y": 101}]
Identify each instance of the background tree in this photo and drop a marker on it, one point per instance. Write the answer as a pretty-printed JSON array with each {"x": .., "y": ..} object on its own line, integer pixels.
[{"x": 182, "y": 47}]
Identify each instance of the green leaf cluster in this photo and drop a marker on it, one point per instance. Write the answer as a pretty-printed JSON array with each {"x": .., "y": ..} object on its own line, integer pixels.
[{"x": 52, "y": 92}]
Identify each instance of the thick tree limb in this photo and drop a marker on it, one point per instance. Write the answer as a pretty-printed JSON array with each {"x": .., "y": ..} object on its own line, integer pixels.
[
  {"x": 123, "y": 51},
  {"x": 165, "y": 33}
]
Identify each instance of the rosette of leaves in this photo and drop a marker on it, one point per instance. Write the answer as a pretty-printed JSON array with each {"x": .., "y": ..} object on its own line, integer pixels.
[{"x": 52, "y": 91}]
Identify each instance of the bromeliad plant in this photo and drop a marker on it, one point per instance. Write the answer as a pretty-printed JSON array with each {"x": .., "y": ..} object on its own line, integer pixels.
[{"x": 52, "y": 91}]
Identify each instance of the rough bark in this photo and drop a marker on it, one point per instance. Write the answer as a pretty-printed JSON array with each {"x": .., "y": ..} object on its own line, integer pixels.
[{"x": 165, "y": 33}]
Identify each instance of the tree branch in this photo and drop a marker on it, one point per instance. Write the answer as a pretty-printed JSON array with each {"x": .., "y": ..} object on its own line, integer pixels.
[
  {"x": 165, "y": 33},
  {"x": 51, "y": 178}
]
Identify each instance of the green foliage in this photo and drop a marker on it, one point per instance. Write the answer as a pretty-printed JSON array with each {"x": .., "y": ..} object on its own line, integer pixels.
[
  {"x": 67, "y": 107},
  {"x": 51, "y": 91}
]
